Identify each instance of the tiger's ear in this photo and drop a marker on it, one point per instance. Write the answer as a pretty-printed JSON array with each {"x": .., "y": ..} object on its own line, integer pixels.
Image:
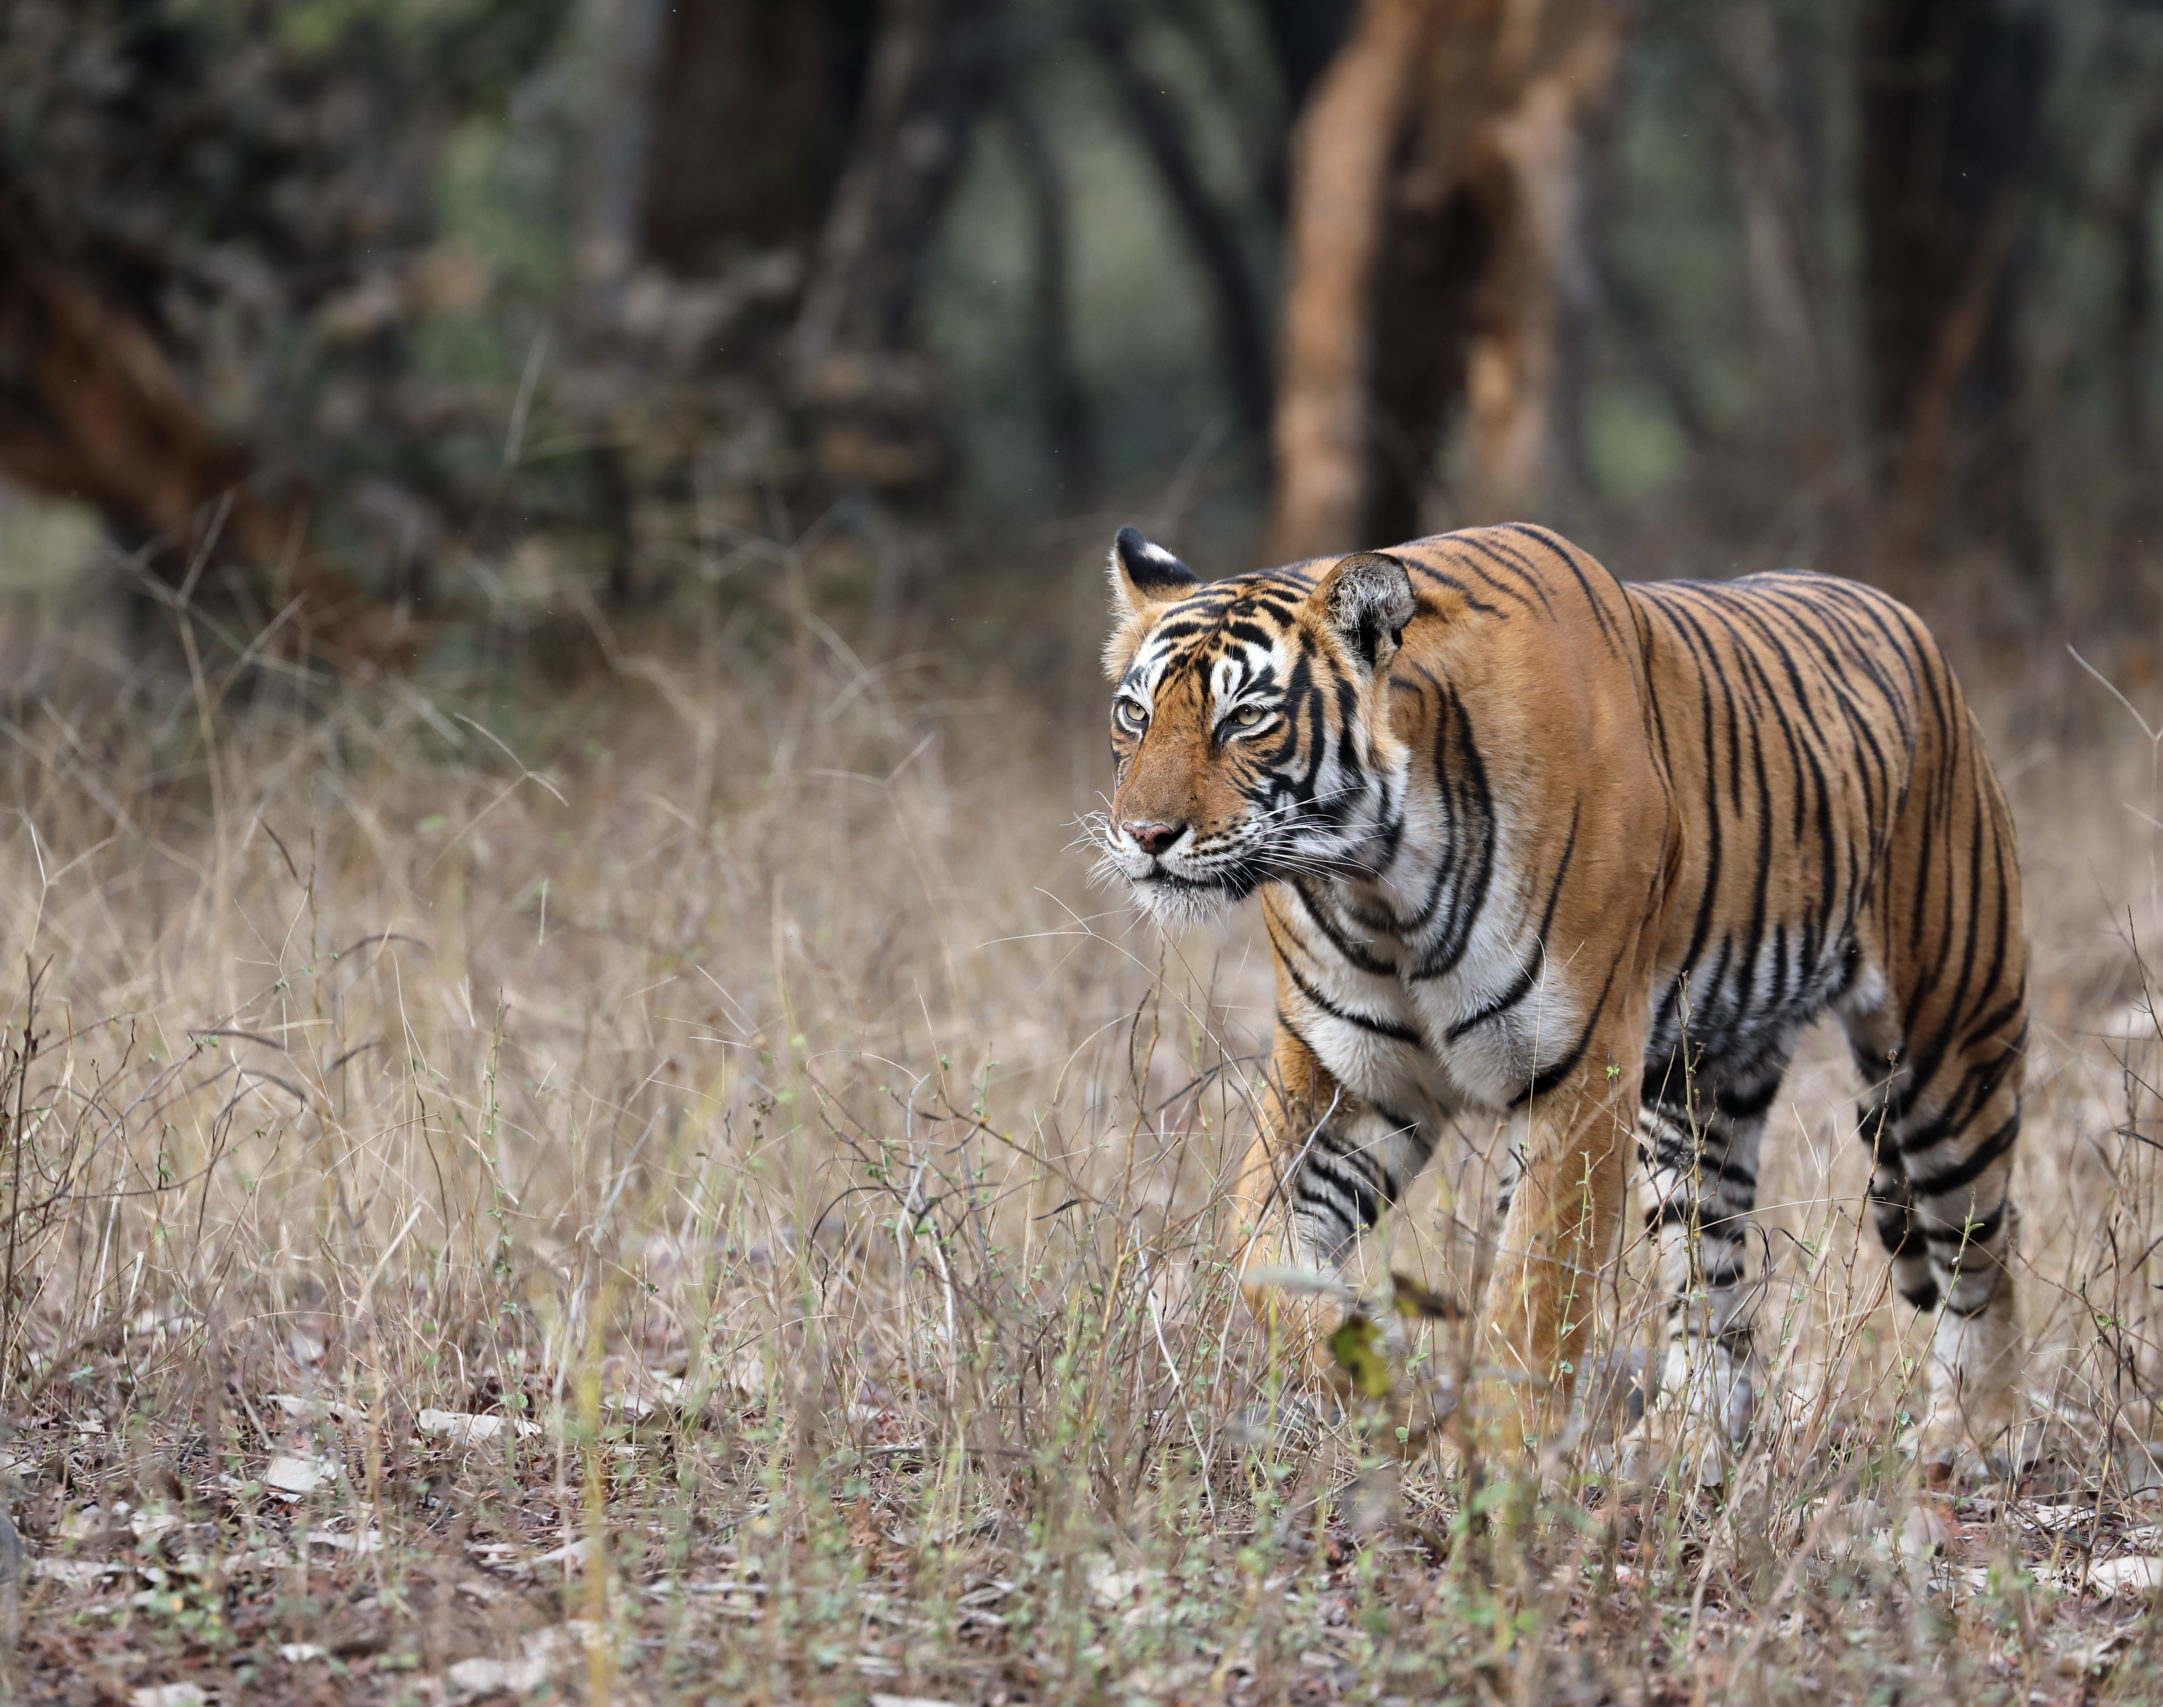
[
  {"x": 1145, "y": 574},
  {"x": 1365, "y": 601}
]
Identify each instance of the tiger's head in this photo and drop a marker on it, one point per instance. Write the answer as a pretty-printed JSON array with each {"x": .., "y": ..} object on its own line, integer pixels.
[{"x": 1250, "y": 723}]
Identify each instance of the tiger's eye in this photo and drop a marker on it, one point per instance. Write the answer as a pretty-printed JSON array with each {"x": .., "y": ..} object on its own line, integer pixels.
[{"x": 1249, "y": 716}]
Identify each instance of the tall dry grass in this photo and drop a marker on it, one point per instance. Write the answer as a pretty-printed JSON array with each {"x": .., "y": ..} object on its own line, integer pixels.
[{"x": 673, "y": 1184}]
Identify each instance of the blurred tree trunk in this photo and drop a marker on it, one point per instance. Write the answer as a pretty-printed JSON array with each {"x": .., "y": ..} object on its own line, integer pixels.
[
  {"x": 1051, "y": 334},
  {"x": 1306, "y": 35},
  {"x": 2134, "y": 371},
  {"x": 618, "y": 54},
  {"x": 1779, "y": 254},
  {"x": 1952, "y": 94},
  {"x": 90, "y": 410},
  {"x": 1238, "y": 314},
  {"x": 875, "y": 405},
  {"x": 1434, "y": 226},
  {"x": 754, "y": 106}
]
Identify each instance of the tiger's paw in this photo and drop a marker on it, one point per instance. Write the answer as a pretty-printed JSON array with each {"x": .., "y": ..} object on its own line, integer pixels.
[
  {"x": 1959, "y": 1445},
  {"x": 1970, "y": 1426},
  {"x": 1699, "y": 1412},
  {"x": 1675, "y": 1450}
]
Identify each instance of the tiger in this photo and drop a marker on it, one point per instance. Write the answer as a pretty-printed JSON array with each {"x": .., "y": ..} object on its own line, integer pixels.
[{"x": 1588, "y": 857}]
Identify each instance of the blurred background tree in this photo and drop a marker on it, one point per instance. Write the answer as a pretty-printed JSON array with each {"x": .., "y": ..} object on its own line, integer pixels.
[{"x": 414, "y": 320}]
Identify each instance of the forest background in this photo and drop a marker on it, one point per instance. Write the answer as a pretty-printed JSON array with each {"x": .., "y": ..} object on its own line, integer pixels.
[{"x": 574, "y": 1120}]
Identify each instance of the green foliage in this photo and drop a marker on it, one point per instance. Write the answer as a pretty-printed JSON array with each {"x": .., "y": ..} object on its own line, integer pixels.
[{"x": 1357, "y": 1348}]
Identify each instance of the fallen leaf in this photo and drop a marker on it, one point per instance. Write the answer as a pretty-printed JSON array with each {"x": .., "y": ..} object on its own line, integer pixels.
[
  {"x": 317, "y": 1410},
  {"x": 469, "y": 1679},
  {"x": 1109, "y": 1585},
  {"x": 461, "y": 1429},
  {"x": 168, "y": 1695},
  {"x": 296, "y": 1476},
  {"x": 77, "y": 1571},
  {"x": 2138, "y": 1574},
  {"x": 2093, "y": 1659},
  {"x": 2054, "y": 1515},
  {"x": 367, "y": 1541},
  {"x": 546, "y": 1652},
  {"x": 1924, "y": 1531},
  {"x": 149, "y": 1525},
  {"x": 571, "y": 1555}
]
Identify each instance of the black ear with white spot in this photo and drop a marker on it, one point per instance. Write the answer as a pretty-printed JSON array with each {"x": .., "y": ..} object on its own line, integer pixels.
[
  {"x": 1366, "y": 600},
  {"x": 1145, "y": 574}
]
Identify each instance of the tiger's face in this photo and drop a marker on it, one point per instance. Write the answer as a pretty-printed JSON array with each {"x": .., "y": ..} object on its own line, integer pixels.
[{"x": 1249, "y": 724}]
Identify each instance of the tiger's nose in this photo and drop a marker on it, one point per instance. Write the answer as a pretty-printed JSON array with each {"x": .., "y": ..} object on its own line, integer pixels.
[{"x": 1154, "y": 838}]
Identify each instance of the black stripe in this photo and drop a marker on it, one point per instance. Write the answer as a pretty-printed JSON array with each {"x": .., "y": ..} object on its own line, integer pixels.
[
  {"x": 1970, "y": 1234},
  {"x": 1544, "y": 1081},
  {"x": 1343, "y": 944},
  {"x": 1569, "y": 554},
  {"x": 1380, "y": 1027},
  {"x": 1970, "y": 1167},
  {"x": 1341, "y": 1176},
  {"x": 1522, "y": 986}
]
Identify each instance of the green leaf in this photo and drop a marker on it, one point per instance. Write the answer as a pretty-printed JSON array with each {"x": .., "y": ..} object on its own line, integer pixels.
[{"x": 1357, "y": 1347}]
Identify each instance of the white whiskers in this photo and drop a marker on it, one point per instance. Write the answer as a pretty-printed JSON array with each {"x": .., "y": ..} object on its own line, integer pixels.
[{"x": 1218, "y": 871}]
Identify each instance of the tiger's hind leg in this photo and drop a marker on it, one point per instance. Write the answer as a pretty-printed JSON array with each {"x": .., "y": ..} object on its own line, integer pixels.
[
  {"x": 1941, "y": 1121},
  {"x": 1697, "y": 1141}
]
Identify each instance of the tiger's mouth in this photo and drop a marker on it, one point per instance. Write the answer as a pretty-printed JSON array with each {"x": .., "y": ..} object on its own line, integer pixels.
[
  {"x": 1186, "y": 883},
  {"x": 1179, "y": 893},
  {"x": 1173, "y": 898}
]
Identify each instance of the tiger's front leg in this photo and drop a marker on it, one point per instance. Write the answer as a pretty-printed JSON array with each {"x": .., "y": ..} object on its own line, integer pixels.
[
  {"x": 1559, "y": 1236},
  {"x": 1325, "y": 1166}
]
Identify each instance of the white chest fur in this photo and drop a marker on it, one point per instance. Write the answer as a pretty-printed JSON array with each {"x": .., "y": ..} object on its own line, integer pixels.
[{"x": 1412, "y": 1030}]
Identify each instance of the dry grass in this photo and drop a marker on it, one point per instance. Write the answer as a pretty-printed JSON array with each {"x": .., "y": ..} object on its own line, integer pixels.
[{"x": 719, "y": 1079}]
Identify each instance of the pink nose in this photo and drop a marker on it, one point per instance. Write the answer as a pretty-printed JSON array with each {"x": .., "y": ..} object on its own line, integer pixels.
[{"x": 1154, "y": 838}]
